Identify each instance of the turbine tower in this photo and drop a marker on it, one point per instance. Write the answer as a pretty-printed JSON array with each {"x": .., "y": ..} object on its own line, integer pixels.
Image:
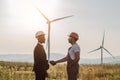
[
  {"x": 49, "y": 26},
  {"x": 102, "y": 48}
]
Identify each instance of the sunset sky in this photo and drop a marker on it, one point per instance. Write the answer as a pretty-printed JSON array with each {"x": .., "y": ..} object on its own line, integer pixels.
[{"x": 20, "y": 20}]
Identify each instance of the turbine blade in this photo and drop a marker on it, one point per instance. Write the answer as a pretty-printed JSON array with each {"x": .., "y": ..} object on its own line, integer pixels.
[
  {"x": 61, "y": 18},
  {"x": 94, "y": 50},
  {"x": 42, "y": 14},
  {"x": 108, "y": 52},
  {"x": 103, "y": 38}
]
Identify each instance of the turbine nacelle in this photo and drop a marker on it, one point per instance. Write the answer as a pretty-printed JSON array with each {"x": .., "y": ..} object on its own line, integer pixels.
[
  {"x": 48, "y": 22},
  {"x": 101, "y": 46}
]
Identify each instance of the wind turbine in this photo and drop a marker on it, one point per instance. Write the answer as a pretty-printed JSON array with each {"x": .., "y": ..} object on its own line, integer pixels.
[
  {"x": 102, "y": 48},
  {"x": 49, "y": 26}
]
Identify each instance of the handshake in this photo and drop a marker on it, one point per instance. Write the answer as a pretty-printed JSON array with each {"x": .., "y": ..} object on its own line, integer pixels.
[{"x": 53, "y": 63}]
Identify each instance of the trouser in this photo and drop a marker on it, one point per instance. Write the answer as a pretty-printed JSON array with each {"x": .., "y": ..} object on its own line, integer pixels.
[
  {"x": 40, "y": 76},
  {"x": 72, "y": 72}
]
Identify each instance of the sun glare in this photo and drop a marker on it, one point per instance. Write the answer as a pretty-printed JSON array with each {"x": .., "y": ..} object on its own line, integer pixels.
[
  {"x": 48, "y": 8},
  {"x": 27, "y": 17}
]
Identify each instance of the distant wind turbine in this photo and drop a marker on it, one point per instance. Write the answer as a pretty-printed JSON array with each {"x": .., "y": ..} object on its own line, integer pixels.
[
  {"x": 102, "y": 48},
  {"x": 49, "y": 26}
]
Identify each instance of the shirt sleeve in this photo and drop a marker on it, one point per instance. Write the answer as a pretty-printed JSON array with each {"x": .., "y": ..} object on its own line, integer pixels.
[{"x": 76, "y": 48}]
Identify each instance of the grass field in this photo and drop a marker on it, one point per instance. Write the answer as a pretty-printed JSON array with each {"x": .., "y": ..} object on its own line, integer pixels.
[{"x": 23, "y": 71}]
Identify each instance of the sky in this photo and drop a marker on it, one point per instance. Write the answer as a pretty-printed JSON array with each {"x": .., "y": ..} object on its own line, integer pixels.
[{"x": 20, "y": 20}]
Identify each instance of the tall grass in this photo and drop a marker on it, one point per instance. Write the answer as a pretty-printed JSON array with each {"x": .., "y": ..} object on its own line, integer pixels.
[{"x": 23, "y": 71}]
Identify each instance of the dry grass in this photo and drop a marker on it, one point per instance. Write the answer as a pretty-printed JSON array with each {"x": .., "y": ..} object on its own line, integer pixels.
[{"x": 23, "y": 71}]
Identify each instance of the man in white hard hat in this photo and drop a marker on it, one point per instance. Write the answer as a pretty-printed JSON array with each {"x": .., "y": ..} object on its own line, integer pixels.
[
  {"x": 72, "y": 57},
  {"x": 40, "y": 61}
]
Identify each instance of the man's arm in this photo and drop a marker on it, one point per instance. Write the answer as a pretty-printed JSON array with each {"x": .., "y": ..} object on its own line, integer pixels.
[{"x": 59, "y": 61}]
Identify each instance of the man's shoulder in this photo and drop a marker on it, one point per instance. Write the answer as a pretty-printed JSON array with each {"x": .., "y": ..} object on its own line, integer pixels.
[
  {"x": 38, "y": 46},
  {"x": 75, "y": 45}
]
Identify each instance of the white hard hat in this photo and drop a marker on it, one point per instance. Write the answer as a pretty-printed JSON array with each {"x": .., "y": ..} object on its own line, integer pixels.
[{"x": 39, "y": 33}]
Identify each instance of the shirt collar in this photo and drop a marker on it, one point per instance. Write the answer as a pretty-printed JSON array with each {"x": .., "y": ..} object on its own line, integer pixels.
[
  {"x": 40, "y": 43},
  {"x": 74, "y": 44}
]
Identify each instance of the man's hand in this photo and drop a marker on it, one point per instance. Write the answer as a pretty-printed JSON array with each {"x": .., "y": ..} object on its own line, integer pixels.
[{"x": 53, "y": 63}]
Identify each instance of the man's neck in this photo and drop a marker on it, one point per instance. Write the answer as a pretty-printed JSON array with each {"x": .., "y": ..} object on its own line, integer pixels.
[{"x": 73, "y": 43}]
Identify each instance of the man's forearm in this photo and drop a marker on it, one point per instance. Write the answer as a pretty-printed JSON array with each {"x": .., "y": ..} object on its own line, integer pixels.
[{"x": 61, "y": 60}]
